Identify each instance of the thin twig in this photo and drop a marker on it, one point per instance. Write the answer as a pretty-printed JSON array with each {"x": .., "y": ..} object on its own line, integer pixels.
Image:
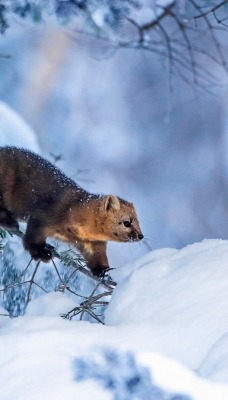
[
  {"x": 13, "y": 285},
  {"x": 86, "y": 306},
  {"x": 77, "y": 263},
  {"x": 213, "y": 36},
  {"x": 212, "y": 10},
  {"x": 23, "y": 273},
  {"x": 160, "y": 17},
  {"x": 56, "y": 269},
  {"x": 87, "y": 303},
  {"x": 31, "y": 282}
]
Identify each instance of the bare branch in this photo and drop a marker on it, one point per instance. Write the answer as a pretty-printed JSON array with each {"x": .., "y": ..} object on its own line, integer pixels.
[
  {"x": 166, "y": 11},
  {"x": 211, "y": 10},
  {"x": 31, "y": 282},
  {"x": 68, "y": 259},
  {"x": 88, "y": 305},
  {"x": 213, "y": 36}
]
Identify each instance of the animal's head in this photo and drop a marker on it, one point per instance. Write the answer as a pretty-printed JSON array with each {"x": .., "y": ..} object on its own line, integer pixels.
[{"x": 119, "y": 220}]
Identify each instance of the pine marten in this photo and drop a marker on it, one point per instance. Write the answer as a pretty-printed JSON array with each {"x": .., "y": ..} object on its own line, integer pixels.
[{"x": 53, "y": 205}]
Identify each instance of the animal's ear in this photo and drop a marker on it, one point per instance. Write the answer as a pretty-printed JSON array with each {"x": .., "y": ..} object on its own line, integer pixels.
[{"x": 111, "y": 203}]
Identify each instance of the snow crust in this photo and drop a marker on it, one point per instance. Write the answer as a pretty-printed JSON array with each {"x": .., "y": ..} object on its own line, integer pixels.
[
  {"x": 14, "y": 131},
  {"x": 169, "y": 309}
]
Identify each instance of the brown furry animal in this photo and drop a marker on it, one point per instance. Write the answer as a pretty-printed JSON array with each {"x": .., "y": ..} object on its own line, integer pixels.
[{"x": 34, "y": 190}]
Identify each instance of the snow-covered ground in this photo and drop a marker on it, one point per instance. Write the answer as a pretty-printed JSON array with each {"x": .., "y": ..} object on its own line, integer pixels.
[{"x": 170, "y": 303}]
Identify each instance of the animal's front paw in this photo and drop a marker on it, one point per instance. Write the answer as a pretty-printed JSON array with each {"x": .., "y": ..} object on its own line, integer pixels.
[
  {"x": 42, "y": 252},
  {"x": 100, "y": 271}
]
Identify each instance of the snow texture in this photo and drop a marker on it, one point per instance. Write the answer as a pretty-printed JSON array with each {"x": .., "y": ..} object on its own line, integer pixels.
[
  {"x": 169, "y": 308},
  {"x": 185, "y": 294}
]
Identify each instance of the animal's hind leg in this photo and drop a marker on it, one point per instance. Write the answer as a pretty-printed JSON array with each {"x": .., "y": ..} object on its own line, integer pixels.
[
  {"x": 35, "y": 240},
  {"x": 7, "y": 221}
]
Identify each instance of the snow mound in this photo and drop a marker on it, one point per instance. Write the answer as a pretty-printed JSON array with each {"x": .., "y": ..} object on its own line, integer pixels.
[
  {"x": 14, "y": 131},
  {"x": 181, "y": 297},
  {"x": 3, "y": 316},
  {"x": 49, "y": 358},
  {"x": 51, "y": 304}
]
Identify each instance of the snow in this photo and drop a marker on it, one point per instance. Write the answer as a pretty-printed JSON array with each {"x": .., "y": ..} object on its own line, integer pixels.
[
  {"x": 169, "y": 309},
  {"x": 185, "y": 292},
  {"x": 52, "y": 304},
  {"x": 14, "y": 131}
]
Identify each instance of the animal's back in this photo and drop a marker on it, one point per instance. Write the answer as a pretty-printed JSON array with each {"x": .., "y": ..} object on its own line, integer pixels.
[
  {"x": 34, "y": 169},
  {"x": 27, "y": 180}
]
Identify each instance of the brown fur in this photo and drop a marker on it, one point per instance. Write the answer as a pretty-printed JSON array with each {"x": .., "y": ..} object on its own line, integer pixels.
[{"x": 34, "y": 190}]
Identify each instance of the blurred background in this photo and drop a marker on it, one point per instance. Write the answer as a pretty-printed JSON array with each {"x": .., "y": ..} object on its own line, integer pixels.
[{"x": 119, "y": 127}]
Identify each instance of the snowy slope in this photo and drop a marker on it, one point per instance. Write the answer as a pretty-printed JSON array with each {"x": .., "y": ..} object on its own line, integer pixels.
[
  {"x": 181, "y": 296},
  {"x": 170, "y": 303},
  {"x": 14, "y": 131}
]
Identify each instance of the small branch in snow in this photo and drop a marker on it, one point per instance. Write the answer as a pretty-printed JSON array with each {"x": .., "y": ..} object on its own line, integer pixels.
[
  {"x": 71, "y": 259},
  {"x": 89, "y": 305}
]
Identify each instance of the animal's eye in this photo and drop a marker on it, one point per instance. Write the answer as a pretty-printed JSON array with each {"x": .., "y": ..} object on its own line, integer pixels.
[{"x": 127, "y": 224}]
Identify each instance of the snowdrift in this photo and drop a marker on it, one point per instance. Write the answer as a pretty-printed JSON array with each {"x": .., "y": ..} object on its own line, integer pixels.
[
  {"x": 181, "y": 296},
  {"x": 14, "y": 131},
  {"x": 165, "y": 337}
]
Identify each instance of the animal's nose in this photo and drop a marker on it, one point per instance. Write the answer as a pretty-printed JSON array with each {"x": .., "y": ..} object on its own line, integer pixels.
[{"x": 140, "y": 236}]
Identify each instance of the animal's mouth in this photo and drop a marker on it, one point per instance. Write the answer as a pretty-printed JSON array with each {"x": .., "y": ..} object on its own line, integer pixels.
[{"x": 134, "y": 237}]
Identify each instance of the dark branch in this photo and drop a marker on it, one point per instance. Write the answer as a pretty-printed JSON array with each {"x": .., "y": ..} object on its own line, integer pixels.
[{"x": 211, "y": 10}]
